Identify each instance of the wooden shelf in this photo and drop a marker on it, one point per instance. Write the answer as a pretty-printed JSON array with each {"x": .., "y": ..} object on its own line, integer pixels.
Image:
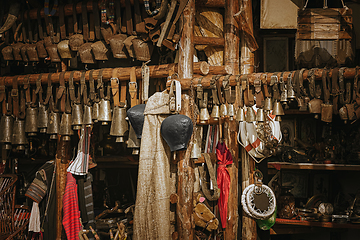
[
  {"x": 317, "y": 224},
  {"x": 311, "y": 166}
]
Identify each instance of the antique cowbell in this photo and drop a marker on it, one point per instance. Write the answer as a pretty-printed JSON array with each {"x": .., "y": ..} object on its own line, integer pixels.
[
  {"x": 43, "y": 118},
  {"x": 18, "y": 134},
  {"x": 31, "y": 121},
  {"x": 87, "y": 117},
  {"x": 104, "y": 112},
  {"x": 76, "y": 116},
  {"x": 6, "y": 128},
  {"x": 119, "y": 126},
  {"x": 54, "y": 125}
]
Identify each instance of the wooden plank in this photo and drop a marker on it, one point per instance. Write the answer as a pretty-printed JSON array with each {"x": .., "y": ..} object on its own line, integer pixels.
[
  {"x": 325, "y": 12},
  {"x": 310, "y": 166},
  {"x": 317, "y": 224},
  {"x": 324, "y": 35}
]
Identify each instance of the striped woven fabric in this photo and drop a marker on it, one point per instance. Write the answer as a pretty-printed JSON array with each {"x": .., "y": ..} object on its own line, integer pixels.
[
  {"x": 80, "y": 165},
  {"x": 148, "y": 10},
  {"x": 53, "y": 10}
]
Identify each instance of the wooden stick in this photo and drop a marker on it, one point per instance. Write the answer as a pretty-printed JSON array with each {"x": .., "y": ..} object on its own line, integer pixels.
[
  {"x": 211, "y": 41},
  {"x": 62, "y": 162}
]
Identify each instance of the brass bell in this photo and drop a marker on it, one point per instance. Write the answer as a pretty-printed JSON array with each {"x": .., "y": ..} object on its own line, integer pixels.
[
  {"x": 31, "y": 121},
  {"x": 133, "y": 142},
  {"x": 343, "y": 113},
  {"x": 260, "y": 116},
  {"x": 76, "y": 116},
  {"x": 119, "y": 125},
  {"x": 43, "y": 118},
  {"x": 95, "y": 111},
  {"x": 204, "y": 115},
  {"x": 65, "y": 127},
  {"x": 215, "y": 112},
  {"x": 326, "y": 112},
  {"x": 231, "y": 111},
  {"x": 104, "y": 112},
  {"x": 18, "y": 134},
  {"x": 54, "y": 125},
  {"x": 250, "y": 115},
  {"x": 278, "y": 109},
  {"x": 223, "y": 110},
  {"x": 284, "y": 96},
  {"x": 291, "y": 94},
  {"x": 196, "y": 149},
  {"x": 268, "y": 104},
  {"x": 315, "y": 107},
  {"x": 240, "y": 115},
  {"x": 6, "y": 127},
  {"x": 278, "y": 118},
  {"x": 87, "y": 120}
]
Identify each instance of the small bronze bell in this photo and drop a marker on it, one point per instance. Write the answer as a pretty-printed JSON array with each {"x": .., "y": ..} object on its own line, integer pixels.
[
  {"x": 54, "y": 125},
  {"x": 43, "y": 118},
  {"x": 268, "y": 104},
  {"x": 223, "y": 110},
  {"x": 18, "y": 135},
  {"x": 31, "y": 121},
  {"x": 65, "y": 127},
  {"x": 240, "y": 115},
  {"x": 76, "y": 116},
  {"x": 204, "y": 115},
  {"x": 119, "y": 125},
  {"x": 231, "y": 111},
  {"x": 278, "y": 109},
  {"x": 291, "y": 94},
  {"x": 343, "y": 113},
  {"x": 215, "y": 112},
  {"x": 250, "y": 115},
  {"x": 260, "y": 116},
  {"x": 326, "y": 112},
  {"x": 87, "y": 120},
  {"x": 315, "y": 107},
  {"x": 95, "y": 111},
  {"x": 278, "y": 118},
  {"x": 104, "y": 112},
  {"x": 6, "y": 127},
  {"x": 133, "y": 142}
]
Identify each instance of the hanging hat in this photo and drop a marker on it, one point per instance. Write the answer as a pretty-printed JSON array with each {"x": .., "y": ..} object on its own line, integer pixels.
[
  {"x": 177, "y": 130},
  {"x": 136, "y": 117}
]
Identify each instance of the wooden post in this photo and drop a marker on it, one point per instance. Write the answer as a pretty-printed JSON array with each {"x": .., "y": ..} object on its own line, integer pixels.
[
  {"x": 186, "y": 177},
  {"x": 61, "y": 164},
  {"x": 232, "y": 38},
  {"x": 247, "y": 164},
  {"x": 230, "y": 134}
]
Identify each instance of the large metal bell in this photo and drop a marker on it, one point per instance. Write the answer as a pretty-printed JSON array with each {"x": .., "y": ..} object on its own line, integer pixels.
[
  {"x": 204, "y": 115},
  {"x": 18, "y": 135},
  {"x": 95, "y": 111},
  {"x": 54, "y": 125},
  {"x": 43, "y": 118},
  {"x": 65, "y": 127},
  {"x": 133, "y": 142},
  {"x": 278, "y": 109},
  {"x": 104, "y": 112},
  {"x": 6, "y": 128},
  {"x": 240, "y": 115},
  {"x": 315, "y": 106},
  {"x": 231, "y": 111},
  {"x": 326, "y": 112},
  {"x": 223, "y": 110},
  {"x": 250, "y": 115},
  {"x": 31, "y": 121},
  {"x": 119, "y": 125},
  {"x": 76, "y": 116},
  {"x": 260, "y": 116},
  {"x": 268, "y": 104},
  {"x": 87, "y": 118},
  {"x": 215, "y": 113}
]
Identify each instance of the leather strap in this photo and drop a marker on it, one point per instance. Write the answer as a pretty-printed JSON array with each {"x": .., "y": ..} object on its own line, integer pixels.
[
  {"x": 283, "y": 89},
  {"x": 229, "y": 97},
  {"x": 220, "y": 94},
  {"x": 76, "y": 26},
  {"x": 114, "y": 81},
  {"x": 97, "y": 19},
  {"x": 244, "y": 85},
  {"x": 49, "y": 90},
  {"x": 356, "y": 94},
  {"x": 49, "y": 27},
  {"x": 33, "y": 99},
  {"x": 325, "y": 86},
  {"x": 275, "y": 86},
  {"x": 118, "y": 16},
  {"x": 61, "y": 92},
  {"x": 128, "y": 15},
  {"x": 145, "y": 74},
  {"x": 311, "y": 79},
  {"x": 31, "y": 39},
  {"x": 100, "y": 84},
  {"x": 301, "y": 83},
  {"x": 345, "y": 94},
  {"x": 9, "y": 109},
  {"x": 83, "y": 89},
  {"x": 91, "y": 86},
  {"x": 26, "y": 83},
  {"x": 72, "y": 87},
  {"x": 137, "y": 15},
  {"x": 238, "y": 90},
  {"x": 85, "y": 20},
  {"x": 133, "y": 87},
  {"x": 22, "y": 107},
  {"x": 15, "y": 96},
  {"x": 258, "y": 93},
  {"x": 23, "y": 29},
  {"x": 335, "y": 89},
  {"x": 265, "y": 85},
  {"x": 91, "y": 27},
  {"x": 250, "y": 94},
  {"x": 2, "y": 89},
  {"x": 39, "y": 89},
  {"x": 200, "y": 92},
  {"x": 213, "y": 89},
  {"x": 123, "y": 94},
  {"x": 296, "y": 84},
  {"x": 108, "y": 89},
  {"x": 212, "y": 173},
  {"x": 68, "y": 102},
  {"x": 62, "y": 22},
  {"x": 39, "y": 23}
]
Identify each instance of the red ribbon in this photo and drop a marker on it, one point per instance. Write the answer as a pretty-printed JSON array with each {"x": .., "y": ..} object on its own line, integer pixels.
[{"x": 224, "y": 158}]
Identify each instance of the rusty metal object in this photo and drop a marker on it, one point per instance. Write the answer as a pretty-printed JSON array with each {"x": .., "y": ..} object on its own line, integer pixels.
[
  {"x": 64, "y": 49},
  {"x": 42, "y": 53},
  {"x": 75, "y": 41},
  {"x": 53, "y": 53},
  {"x": 31, "y": 121},
  {"x": 23, "y": 51},
  {"x": 129, "y": 46},
  {"x": 7, "y": 53},
  {"x": 86, "y": 54},
  {"x": 12, "y": 16},
  {"x": 100, "y": 50},
  {"x": 326, "y": 112},
  {"x": 32, "y": 53},
  {"x": 143, "y": 50},
  {"x": 119, "y": 125},
  {"x": 117, "y": 45}
]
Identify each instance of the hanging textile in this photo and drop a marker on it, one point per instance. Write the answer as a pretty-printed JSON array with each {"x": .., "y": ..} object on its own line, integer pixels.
[
  {"x": 34, "y": 222},
  {"x": 71, "y": 218},
  {"x": 80, "y": 165},
  {"x": 152, "y": 207},
  {"x": 224, "y": 158},
  {"x": 212, "y": 139}
]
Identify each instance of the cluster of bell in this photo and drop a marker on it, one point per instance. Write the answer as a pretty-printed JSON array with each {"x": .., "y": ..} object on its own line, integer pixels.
[{"x": 222, "y": 111}]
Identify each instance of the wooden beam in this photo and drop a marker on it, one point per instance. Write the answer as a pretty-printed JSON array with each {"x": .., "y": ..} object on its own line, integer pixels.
[
  {"x": 210, "y": 41},
  {"x": 62, "y": 159},
  {"x": 232, "y": 38}
]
